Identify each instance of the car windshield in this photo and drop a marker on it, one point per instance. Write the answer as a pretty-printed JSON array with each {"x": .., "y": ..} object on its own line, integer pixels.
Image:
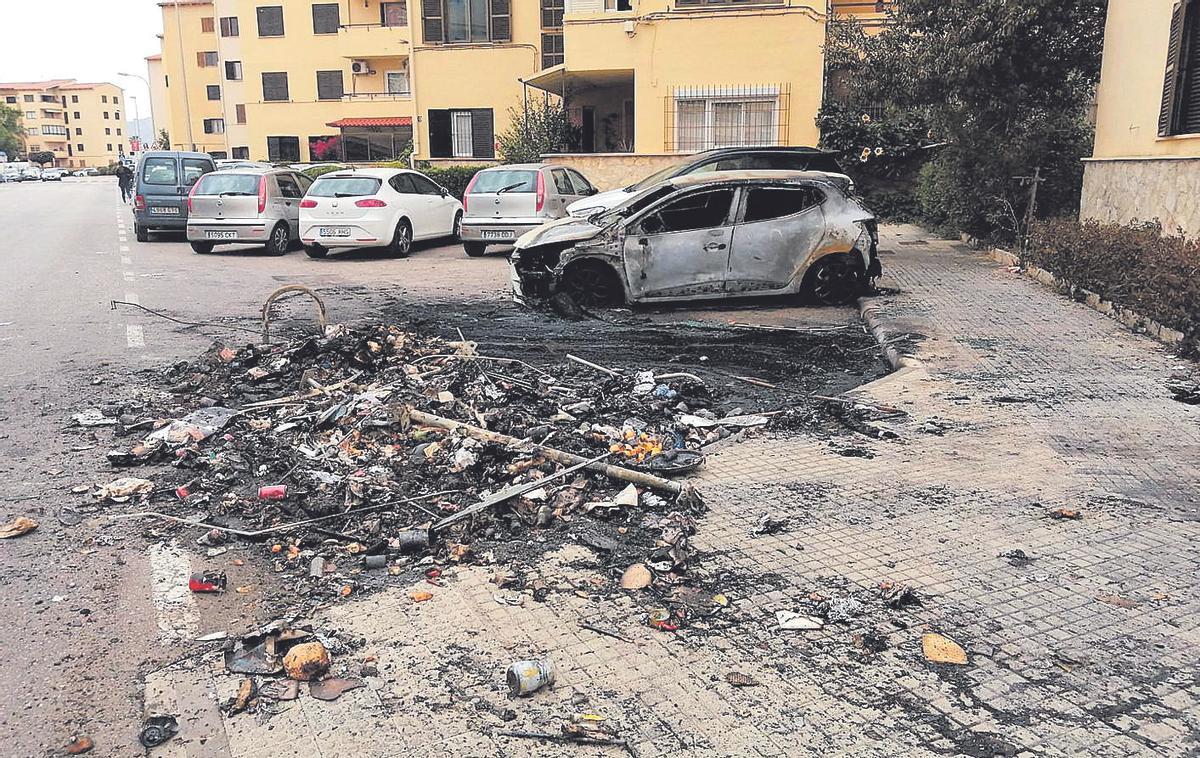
[
  {"x": 345, "y": 186},
  {"x": 658, "y": 176},
  {"x": 631, "y": 206},
  {"x": 228, "y": 184},
  {"x": 506, "y": 180}
]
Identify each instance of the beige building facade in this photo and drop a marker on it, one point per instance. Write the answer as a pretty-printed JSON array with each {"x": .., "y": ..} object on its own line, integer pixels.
[
  {"x": 82, "y": 124},
  {"x": 1146, "y": 162}
]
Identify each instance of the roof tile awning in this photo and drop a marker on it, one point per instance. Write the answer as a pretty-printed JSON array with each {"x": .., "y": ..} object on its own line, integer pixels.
[{"x": 344, "y": 123}]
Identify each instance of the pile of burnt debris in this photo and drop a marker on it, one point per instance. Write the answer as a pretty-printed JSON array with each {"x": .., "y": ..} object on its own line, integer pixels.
[{"x": 364, "y": 454}]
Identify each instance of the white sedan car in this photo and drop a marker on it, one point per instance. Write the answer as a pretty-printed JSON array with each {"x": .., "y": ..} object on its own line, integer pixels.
[{"x": 376, "y": 207}]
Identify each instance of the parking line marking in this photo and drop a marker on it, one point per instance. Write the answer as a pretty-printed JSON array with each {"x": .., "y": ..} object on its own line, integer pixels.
[
  {"x": 174, "y": 607},
  {"x": 135, "y": 337},
  {"x": 126, "y": 260}
]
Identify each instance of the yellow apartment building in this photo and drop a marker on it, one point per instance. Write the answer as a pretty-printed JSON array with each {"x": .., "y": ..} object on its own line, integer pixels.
[
  {"x": 1146, "y": 161},
  {"x": 361, "y": 80},
  {"x": 159, "y": 110},
  {"x": 80, "y": 123}
]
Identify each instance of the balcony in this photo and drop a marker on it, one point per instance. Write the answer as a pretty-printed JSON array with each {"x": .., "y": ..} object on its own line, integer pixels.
[
  {"x": 374, "y": 40},
  {"x": 351, "y": 97},
  {"x": 598, "y": 6}
]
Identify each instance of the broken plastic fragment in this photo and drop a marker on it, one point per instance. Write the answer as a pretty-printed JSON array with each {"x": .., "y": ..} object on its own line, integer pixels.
[
  {"x": 940, "y": 649},
  {"x": 794, "y": 620}
]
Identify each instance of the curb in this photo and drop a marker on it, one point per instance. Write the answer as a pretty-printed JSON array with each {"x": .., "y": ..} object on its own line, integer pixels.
[
  {"x": 1135, "y": 321},
  {"x": 870, "y": 316}
]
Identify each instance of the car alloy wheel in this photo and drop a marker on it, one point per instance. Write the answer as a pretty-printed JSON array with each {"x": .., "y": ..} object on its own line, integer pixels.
[
  {"x": 280, "y": 240},
  {"x": 456, "y": 232},
  {"x": 835, "y": 280}
]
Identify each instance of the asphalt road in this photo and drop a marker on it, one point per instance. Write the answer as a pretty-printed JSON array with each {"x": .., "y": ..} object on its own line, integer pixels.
[{"x": 89, "y": 609}]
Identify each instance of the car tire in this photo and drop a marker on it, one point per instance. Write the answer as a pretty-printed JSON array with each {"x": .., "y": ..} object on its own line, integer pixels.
[
  {"x": 474, "y": 249},
  {"x": 316, "y": 251},
  {"x": 140, "y": 233},
  {"x": 402, "y": 240},
  {"x": 456, "y": 229},
  {"x": 592, "y": 283},
  {"x": 280, "y": 240},
  {"x": 203, "y": 247},
  {"x": 834, "y": 280}
]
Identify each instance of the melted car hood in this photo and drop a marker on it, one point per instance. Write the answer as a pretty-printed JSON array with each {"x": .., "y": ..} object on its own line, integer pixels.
[
  {"x": 560, "y": 230},
  {"x": 610, "y": 199}
]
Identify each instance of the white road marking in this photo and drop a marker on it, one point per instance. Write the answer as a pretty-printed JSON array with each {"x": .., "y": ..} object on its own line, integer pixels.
[
  {"x": 174, "y": 606},
  {"x": 124, "y": 248},
  {"x": 135, "y": 337},
  {"x": 126, "y": 260},
  {"x": 129, "y": 276},
  {"x": 131, "y": 297}
]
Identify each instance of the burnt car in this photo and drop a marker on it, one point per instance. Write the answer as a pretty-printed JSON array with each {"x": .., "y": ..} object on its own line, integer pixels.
[{"x": 716, "y": 235}]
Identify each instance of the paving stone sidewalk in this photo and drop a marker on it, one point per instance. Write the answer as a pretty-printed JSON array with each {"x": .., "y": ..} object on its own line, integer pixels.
[{"x": 1084, "y": 643}]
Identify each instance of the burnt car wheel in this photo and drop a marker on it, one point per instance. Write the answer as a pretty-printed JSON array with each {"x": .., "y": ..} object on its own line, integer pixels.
[
  {"x": 592, "y": 283},
  {"x": 835, "y": 280},
  {"x": 474, "y": 249}
]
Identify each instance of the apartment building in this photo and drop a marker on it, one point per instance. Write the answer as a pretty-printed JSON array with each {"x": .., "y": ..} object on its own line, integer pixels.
[
  {"x": 361, "y": 80},
  {"x": 80, "y": 123},
  {"x": 1146, "y": 160}
]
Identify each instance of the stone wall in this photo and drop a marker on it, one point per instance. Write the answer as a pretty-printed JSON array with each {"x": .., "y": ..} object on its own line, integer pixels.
[
  {"x": 1144, "y": 189},
  {"x": 611, "y": 170}
]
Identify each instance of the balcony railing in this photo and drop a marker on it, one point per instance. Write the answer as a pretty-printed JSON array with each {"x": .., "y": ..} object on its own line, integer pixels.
[
  {"x": 597, "y": 6},
  {"x": 377, "y": 95}
]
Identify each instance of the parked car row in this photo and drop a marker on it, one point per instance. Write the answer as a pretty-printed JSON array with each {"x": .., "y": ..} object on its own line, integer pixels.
[
  {"x": 35, "y": 174},
  {"x": 732, "y": 221}
]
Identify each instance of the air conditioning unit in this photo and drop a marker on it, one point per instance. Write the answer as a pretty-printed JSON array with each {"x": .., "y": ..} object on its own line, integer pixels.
[{"x": 360, "y": 67}]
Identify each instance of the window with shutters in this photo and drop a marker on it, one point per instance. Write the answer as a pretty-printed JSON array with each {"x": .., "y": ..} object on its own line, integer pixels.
[
  {"x": 1180, "y": 112},
  {"x": 552, "y": 50},
  {"x": 233, "y": 71},
  {"x": 283, "y": 149},
  {"x": 464, "y": 21},
  {"x": 329, "y": 85},
  {"x": 275, "y": 86},
  {"x": 326, "y": 18},
  {"x": 229, "y": 26},
  {"x": 214, "y": 126},
  {"x": 465, "y": 133},
  {"x": 206, "y": 59},
  {"x": 239, "y": 113},
  {"x": 270, "y": 20},
  {"x": 206, "y": 25},
  {"x": 393, "y": 14}
]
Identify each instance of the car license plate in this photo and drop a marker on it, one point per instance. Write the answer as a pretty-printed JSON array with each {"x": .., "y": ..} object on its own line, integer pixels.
[
  {"x": 162, "y": 210},
  {"x": 335, "y": 231},
  {"x": 504, "y": 234},
  {"x": 220, "y": 235}
]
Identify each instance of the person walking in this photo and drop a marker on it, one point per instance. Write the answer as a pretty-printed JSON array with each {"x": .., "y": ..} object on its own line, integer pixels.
[{"x": 124, "y": 181}]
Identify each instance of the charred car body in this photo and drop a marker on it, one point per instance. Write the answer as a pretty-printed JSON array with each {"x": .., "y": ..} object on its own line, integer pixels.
[{"x": 730, "y": 234}]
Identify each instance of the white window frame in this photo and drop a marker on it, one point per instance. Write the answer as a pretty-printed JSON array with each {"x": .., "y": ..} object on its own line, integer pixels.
[
  {"x": 462, "y": 143},
  {"x": 711, "y": 99},
  {"x": 387, "y": 82}
]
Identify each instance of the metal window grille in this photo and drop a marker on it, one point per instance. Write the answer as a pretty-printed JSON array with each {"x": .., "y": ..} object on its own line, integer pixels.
[
  {"x": 552, "y": 50},
  {"x": 460, "y": 133},
  {"x": 700, "y": 118}
]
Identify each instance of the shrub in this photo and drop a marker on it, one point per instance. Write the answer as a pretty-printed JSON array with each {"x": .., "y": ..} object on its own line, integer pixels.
[
  {"x": 453, "y": 178},
  {"x": 1134, "y": 266},
  {"x": 315, "y": 171}
]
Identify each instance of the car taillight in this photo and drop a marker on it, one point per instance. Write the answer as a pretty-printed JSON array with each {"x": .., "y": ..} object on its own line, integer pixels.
[
  {"x": 467, "y": 192},
  {"x": 190, "y": 194},
  {"x": 541, "y": 191},
  {"x": 262, "y": 193},
  {"x": 308, "y": 203},
  {"x": 139, "y": 203},
  {"x": 370, "y": 202}
]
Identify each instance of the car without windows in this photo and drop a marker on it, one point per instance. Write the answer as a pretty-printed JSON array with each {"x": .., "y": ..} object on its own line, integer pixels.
[
  {"x": 732, "y": 234},
  {"x": 376, "y": 207},
  {"x": 502, "y": 203},
  {"x": 246, "y": 206}
]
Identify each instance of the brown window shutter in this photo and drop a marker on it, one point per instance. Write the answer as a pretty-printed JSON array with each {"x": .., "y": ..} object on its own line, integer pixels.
[
  {"x": 200, "y": 60},
  {"x": 206, "y": 24},
  {"x": 432, "y": 25},
  {"x": 1166, "y": 114},
  {"x": 501, "y": 20},
  {"x": 1189, "y": 95},
  {"x": 240, "y": 111}
]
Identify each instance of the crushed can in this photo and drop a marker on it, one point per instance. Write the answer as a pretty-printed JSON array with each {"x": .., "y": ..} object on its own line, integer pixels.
[
  {"x": 527, "y": 677},
  {"x": 273, "y": 492},
  {"x": 376, "y": 561},
  {"x": 412, "y": 540},
  {"x": 208, "y": 581}
]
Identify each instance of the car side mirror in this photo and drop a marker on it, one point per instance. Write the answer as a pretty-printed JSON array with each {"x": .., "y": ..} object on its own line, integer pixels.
[
  {"x": 443, "y": 191},
  {"x": 591, "y": 191}
]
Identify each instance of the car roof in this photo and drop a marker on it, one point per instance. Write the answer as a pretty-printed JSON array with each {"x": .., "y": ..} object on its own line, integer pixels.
[
  {"x": 764, "y": 149},
  {"x": 519, "y": 167},
  {"x": 742, "y": 177},
  {"x": 375, "y": 173},
  {"x": 253, "y": 171},
  {"x": 175, "y": 154}
]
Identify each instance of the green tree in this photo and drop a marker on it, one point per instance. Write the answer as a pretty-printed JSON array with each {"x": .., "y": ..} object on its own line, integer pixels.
[
  {"x": 41, "y": 157},
  {"x": 1005, "y": 88},
  {"x": 540, "y": 127},
  {"x": 164, "y": 141},
  {"x": 10, "y": 131}
]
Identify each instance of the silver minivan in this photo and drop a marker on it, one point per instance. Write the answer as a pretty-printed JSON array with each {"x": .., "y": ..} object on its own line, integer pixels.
[
  {"x": 246, "y": 206},
  {"x": 502, "y": 203}
]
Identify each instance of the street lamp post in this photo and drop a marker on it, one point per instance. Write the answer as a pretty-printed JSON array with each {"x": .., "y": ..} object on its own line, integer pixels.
[{"x": 153, "y": 124}]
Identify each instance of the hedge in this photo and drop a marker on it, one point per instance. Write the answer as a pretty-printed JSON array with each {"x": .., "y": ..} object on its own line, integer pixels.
[
  {"x": 1135, "y": 266},
  {"x": 453, "y": 178}
]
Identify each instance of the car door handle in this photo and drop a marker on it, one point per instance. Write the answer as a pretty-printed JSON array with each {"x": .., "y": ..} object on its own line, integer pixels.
[{"x": 710, "y": 247}]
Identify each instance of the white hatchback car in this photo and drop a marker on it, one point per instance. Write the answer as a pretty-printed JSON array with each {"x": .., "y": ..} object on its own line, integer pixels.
[{"x": 376, "y": 207}]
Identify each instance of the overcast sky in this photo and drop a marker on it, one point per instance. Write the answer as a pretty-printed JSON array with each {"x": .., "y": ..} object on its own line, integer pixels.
[{"x": 88, "y": 40}]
